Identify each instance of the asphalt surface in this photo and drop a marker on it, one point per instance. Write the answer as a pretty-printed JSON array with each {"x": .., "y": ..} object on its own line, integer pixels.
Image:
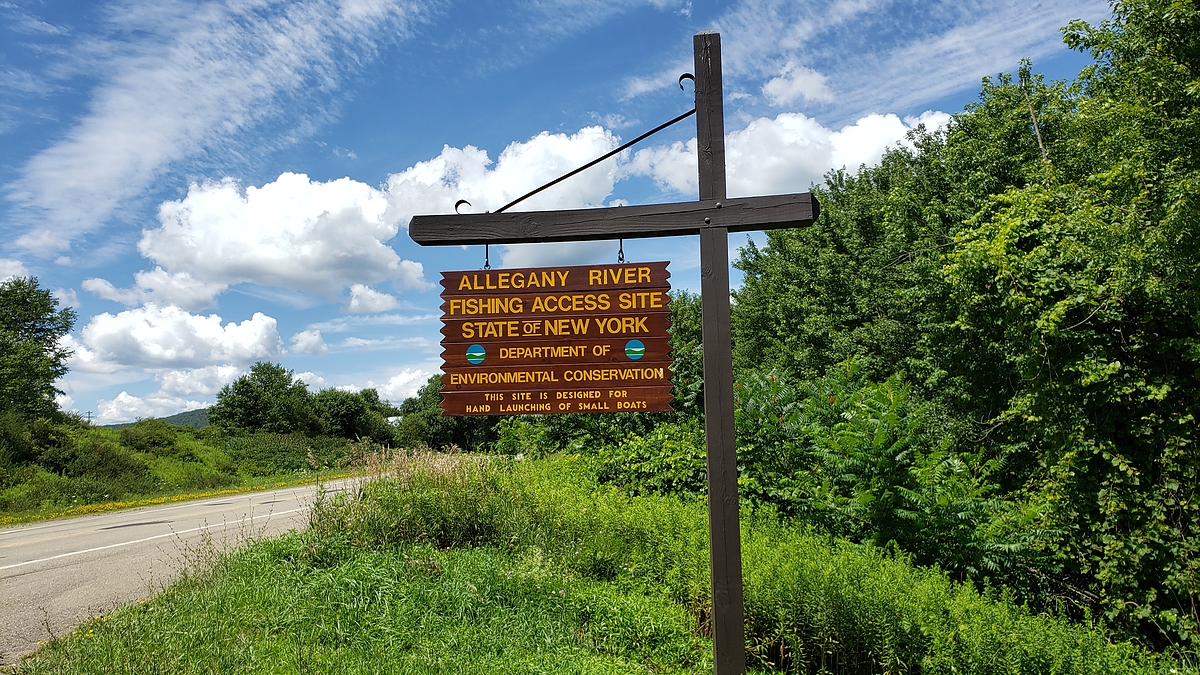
[{"x": 55, "y": 575}]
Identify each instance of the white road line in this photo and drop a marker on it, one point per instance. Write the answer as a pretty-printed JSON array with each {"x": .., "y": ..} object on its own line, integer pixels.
[{"x": 136, "y": 541}]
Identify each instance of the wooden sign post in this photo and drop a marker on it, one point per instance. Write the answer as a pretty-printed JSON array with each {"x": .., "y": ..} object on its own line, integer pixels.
[{"x": 713, "y": 218}]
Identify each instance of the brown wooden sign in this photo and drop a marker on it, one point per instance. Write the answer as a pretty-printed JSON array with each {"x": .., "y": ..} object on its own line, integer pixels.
[{"x": 554, "y": 340}]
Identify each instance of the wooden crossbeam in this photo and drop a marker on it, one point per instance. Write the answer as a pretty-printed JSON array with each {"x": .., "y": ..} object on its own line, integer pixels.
[{"x": 739, "y": 214}]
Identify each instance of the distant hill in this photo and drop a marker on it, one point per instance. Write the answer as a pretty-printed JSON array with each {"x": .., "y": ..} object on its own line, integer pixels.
[{"x": 191, "y": 418}]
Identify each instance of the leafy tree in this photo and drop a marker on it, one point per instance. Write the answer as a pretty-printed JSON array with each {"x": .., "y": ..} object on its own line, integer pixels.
[
  {"x": 422, "y": 423},
  {"x": 268, "y": 398},
  {"x": 31, "y": 353},
  {"x": 355, "y": 414},
  {"x": 1035, "y": 270}
]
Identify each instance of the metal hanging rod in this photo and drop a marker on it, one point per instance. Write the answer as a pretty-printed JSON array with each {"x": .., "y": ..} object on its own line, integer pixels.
[{"x": 596, "y": 161}]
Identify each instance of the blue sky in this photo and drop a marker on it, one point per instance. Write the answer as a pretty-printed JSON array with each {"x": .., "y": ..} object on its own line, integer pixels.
[{"x": 213, "y": 183}]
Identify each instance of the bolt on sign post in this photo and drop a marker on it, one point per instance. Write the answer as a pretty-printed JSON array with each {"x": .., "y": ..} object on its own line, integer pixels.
[
  {"x": 479, "y": 326},
  {"x": 556, "y": 340}
]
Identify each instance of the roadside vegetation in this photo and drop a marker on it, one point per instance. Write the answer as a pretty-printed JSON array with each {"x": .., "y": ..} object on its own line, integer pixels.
[
  {"x": 968, "y": 411},
  {"x": 469, "y": 564}
]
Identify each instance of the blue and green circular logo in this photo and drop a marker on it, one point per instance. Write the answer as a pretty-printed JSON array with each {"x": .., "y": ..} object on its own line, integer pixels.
[
  {"x": 476, "y": 354},
  {"x": 634, "y": 349}
]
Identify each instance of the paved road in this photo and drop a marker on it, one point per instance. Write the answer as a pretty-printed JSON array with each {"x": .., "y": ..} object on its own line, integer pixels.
[{"x": 55, "y": 575}]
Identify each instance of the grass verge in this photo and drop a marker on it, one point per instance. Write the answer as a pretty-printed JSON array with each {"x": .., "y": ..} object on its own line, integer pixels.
[
  {"x": 459, "y": 564},
  {"x": 252, "y": 484}
]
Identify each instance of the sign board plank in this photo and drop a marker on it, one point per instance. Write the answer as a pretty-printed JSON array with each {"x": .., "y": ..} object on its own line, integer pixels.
[
  {"x": 558, "y": 401},
  {"x": 478, "y": 378},
  {"x": 628, "y": 276},
  {"x": 629, "y": 326},
  {"x": 547, "y": 352},
  {"x": 534, "y": 305}
]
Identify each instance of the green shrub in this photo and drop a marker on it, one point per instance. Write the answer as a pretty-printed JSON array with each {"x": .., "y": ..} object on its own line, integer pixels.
[
  {"x": 150, "y": 435},
  {"x": 669, "y": 460},
  {"x": 812, "y": 605}
]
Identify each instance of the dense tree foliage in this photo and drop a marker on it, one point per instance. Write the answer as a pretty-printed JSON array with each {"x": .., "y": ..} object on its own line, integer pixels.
[
  {"x": 270, "y": 399},
  {"x": 31, "y": 353},
  {"x": 1031, "y": 272}
]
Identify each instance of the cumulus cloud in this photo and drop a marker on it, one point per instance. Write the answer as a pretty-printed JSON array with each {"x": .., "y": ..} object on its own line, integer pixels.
[
  {"x": 796, "y": 82},
  {"x": 317, "y": 237},
  {"x": 67, "y": 297},
  {"x": 202, "y": 72},
  {"x": 10, "y": 268},
  {"x": 365, "y": 300},
  {"x": 787, "y": 153},
  {"x": 402, "y": 385},
  {"x": 170, "y": 338},
  {"x": 309, "y": 342},
  {"x": 311, "y": 379},
  {"x": 160, "y": 287},
  {"x": 197, "y": 381},
  {"x": 435, "y": 185},
  {"x": 127, "y": 407}
]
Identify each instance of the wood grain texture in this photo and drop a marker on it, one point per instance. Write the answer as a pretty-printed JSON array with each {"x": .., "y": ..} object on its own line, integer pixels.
[
  {"x": 729, "y": 649},
  {"x": 739, "y": 214}
]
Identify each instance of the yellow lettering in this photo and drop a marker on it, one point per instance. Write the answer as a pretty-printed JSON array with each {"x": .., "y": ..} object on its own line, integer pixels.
[
  {"x": 643, "y": 274},
  {"x": 502, "y": 280},
  {"x": 465, "y": 282},
  {"x": 518, "y": 280},
  {"x": 563, "y": 276},
  {"x": 595, "y": 277}
]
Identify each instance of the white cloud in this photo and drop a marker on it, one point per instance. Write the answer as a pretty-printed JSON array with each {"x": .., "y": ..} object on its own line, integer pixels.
[
  {"x": 168, "y": 337},
  {"x": 402, "y": 385},
  {"x": 291, "y": 233},
  {"x": 67, "y": 297},
  {"x": 787, "y": 153},
  {"x": 365, "y": 300},
  {"x": 309, "y": 342},
  {"x": 672, "y": 167},
  {"x": 10, "y": 268},
  {"x": 201, "y": 72},
  {"x": 160, "y": 287},
  {"x": 64, "y": 402},
  {"x": 357, "y": 343},
  {"x": 435, "y": 185},
  {"x": 796, "y": 82},
  {"x": 311, "y": 379},
  {"x": 197, "y": 381},
  {"x": 127, "y": 408}
]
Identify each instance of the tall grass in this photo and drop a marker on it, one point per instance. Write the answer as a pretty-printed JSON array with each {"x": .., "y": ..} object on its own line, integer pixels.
[{"x": 463, "y": 564}]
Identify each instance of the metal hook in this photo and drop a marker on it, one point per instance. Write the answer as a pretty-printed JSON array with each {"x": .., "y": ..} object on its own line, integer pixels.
[
  {"x": 687, "y": 76},
  {"x": 621, "y": 251},
  {"x": 460, "y": 203},
  {"x": 487, "y": 265}
]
